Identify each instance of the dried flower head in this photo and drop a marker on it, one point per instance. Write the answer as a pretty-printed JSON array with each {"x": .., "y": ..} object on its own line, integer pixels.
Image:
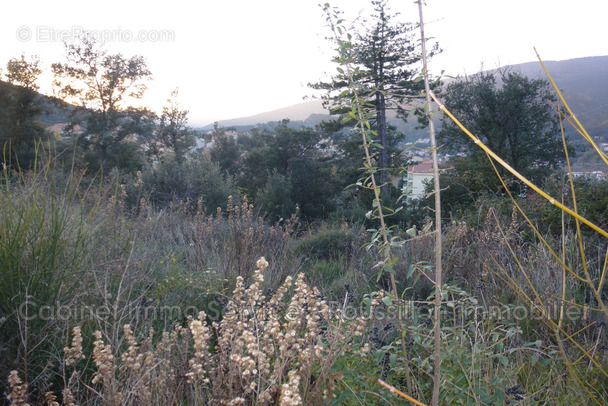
[
  {"x": 290, "y": 391},
  {"x": 51, "y": 399},
  {"x": 74, "y": 353},
  {"x": 262, "y": 264},
  {"x": 68, "y": 398},
  {"x": 18, "y": 395}
]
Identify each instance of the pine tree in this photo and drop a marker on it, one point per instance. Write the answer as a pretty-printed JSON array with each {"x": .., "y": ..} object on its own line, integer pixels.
[{"x": 388, "y": 63}]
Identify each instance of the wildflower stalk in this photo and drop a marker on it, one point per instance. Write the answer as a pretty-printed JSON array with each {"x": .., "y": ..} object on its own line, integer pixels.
[
  {"x": 438, "y": 242},
  {"x": 398, "y": 392},
  {"x": 359, "y": 111}
]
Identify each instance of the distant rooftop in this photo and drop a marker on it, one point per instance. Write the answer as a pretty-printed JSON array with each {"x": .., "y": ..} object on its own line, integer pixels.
[{"x": 425, "y": 166}]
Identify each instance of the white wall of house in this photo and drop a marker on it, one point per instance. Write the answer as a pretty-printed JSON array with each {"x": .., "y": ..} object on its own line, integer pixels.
[
  {"x": 416, "y": 184},
  {"x": 416, "y": 177}
]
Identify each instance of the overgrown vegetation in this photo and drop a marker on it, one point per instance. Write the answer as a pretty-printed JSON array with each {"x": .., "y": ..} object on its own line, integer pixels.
[{"x": 268, "y": 268}]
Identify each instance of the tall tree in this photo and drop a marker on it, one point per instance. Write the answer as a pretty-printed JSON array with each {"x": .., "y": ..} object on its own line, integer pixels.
[
  {"x": 174, "y": 133},
  {"x": 225, "y": 150},
  {"x": 289, "y": 166},
  {"x": 24, "y": 72},
  {"x": 19, "y": 112},
  {"x": 510, "y": 114},
  {"x": 388, "y": 63},
  {"x": 102, "y": 84}
]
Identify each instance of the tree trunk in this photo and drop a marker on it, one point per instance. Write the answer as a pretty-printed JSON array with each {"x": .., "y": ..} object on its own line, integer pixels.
[{"x": 383, "y": 153}]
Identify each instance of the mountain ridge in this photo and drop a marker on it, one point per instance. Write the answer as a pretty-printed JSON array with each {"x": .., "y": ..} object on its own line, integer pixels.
[{"x": 583, "y": 81}]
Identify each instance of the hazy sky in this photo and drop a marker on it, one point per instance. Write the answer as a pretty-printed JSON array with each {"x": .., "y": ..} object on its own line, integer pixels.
[{"x": 233, "y": 58}]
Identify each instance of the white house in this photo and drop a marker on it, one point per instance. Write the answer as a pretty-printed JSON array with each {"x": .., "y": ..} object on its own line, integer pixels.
[{"x": 416, "y": 177}]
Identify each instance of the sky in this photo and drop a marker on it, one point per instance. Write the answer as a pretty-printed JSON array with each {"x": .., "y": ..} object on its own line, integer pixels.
[{"x": 235, "y": 58}]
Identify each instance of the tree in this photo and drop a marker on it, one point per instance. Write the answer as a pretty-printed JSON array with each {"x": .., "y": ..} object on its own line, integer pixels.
[
  {"x": 19, "y": 112},
  {"x": 101, "y": 85},
  {"x": 275, "y": 198},
  {"x": 196, "y": 178},
  {"x": 510, "y": 114},
  {"x": 225, "y": 151},
  {"x": 23, "y": 72},
  {"x": 512, "y": 118},
  {"x": 289, "y": 165},
  {"x": 388, "y": 63},
  {"x": 173, "y": 132}
]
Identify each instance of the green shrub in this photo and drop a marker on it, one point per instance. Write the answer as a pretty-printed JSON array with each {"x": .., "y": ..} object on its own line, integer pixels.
[
  {"x": 195, "y": 179},
  {"x": 326, "y": 244}
]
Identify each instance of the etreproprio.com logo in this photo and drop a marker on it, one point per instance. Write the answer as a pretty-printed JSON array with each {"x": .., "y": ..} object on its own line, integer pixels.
[{"x": 46, "y": 33}]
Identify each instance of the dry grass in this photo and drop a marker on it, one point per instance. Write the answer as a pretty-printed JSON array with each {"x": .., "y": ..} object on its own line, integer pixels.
[{"x": 267, "y": 349}]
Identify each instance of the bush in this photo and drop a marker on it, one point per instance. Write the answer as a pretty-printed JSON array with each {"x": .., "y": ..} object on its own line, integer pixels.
[
  {"x": 45, "y": 240},
  {"x": 196, "y": 178},
  {"x": 275, "y": 198},
  {"x": 326, "y": 244}
]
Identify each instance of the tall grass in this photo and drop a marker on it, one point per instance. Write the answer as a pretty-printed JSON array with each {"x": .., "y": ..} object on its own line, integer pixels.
[
  {"x": 579, "y": 281},
  {"x": 45, "y": 240}
]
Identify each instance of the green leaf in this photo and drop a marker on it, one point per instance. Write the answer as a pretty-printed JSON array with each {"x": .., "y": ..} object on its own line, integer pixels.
[
  {"x": 410, "y": 271},
  {"x": 503, "y": 360},
  {"x": 545, "y": 361},
  {"x": 534, "y": 359},
  {"x": 387, "y": 300}
]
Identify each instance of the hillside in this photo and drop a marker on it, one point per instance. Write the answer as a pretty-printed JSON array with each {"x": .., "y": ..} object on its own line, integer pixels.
[
  {"x": 54, "y": 111},
  {"x": 308, "y": 114},
  {"x": 584, "y": 82}
]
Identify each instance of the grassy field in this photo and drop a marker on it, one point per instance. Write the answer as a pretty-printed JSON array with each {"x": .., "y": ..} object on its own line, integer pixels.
[{"x": 102, "y": 302}]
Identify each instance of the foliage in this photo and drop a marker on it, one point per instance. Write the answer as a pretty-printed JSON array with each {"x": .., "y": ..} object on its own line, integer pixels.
[
  {"x": 44, "y": 243},
  {"x": 386, "y": 62},
  {"x": 173, "y": 134},
  {"x": 265, "y": 349},
  {"x": 326, "y": 244},
  {"x": 225, "y": 151},
  {"x": 577, "y": 273},
  {"x": 293, "y": 159},
  {"x": 171, "y": 238},
  {"x": 143, "y": 263},
  {"x": 275, "y": 199},
  {"x": 194, "y": 179},
  {"x": 511, "y": 116},
  {"x": 100, "y": 84},
  {"x": 20, "y": 129},
  {"x": 479, "y": 346}
]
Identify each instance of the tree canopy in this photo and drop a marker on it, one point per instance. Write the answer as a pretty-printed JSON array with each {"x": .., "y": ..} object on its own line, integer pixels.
[
  {"x": 510, "y": 114},
  {"x": 387, "y": 63},
  {"x": 100, "y": 84},
  {"x": 20, "y": 112}
]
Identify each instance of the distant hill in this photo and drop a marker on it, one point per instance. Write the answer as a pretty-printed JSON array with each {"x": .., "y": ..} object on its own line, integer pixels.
[
  {"x": 311, "y": 111},
  {"x": 584, "y": 82},
  {"x": 54, "y": 111},
  {"x": 307, "y": 114}
]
